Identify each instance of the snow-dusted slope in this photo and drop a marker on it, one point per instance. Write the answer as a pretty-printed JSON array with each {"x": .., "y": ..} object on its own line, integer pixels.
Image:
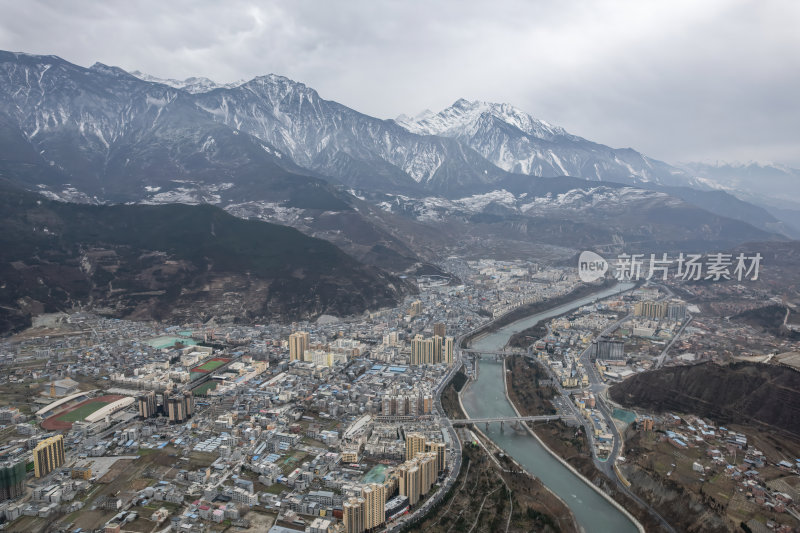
[
  {"x": 192, "y": 85},
  {"x": 599, "y": 200},
  {"x": 110, "y": 135},
  {"x": 337, "y": 141},
  {"x": 464, "y": 116},
  {"x": 470, "y": 147},
  {"x": 517, "y": 142}
]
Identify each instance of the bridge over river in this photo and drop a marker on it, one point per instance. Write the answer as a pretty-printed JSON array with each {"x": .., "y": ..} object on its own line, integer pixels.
[{"x": 515, "y": 421}]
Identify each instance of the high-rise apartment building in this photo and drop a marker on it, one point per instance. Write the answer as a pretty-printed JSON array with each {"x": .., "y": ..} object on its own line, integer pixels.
[
  {"x": 415, "y": 444},
  {"x": 653, "y": 310},
  {"x": 428, "y": 474},
  {"x": 431, "y": 351},
  {"x": 12, "y": 479},
  {"x": 607, "y": 349},
  {"x": 353, "y": 515},
  {"x": 440, "y": 449},
  {"x": 676, "y": 311},
  {"x": 178, "y": 405},
  {"x": 298, "y": 344},
  {"x": 447, "y": 351},
  {"x": 188, "y": 397},
  {"x": 48, "y": 455},
  {"x": 421, "y": 351},
  {"x": 417, "y": 476},
  {"x": 410, "y": 481},
  {"x": 374, "y": 496},
  {"x": 147, "y": 404}
]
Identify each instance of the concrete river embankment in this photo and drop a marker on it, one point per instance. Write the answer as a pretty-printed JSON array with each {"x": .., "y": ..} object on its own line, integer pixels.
[{"x": 486, "y": 398}]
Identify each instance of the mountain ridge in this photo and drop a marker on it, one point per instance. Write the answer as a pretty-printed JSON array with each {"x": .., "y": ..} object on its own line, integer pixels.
[{"x": 104, "y": 135}]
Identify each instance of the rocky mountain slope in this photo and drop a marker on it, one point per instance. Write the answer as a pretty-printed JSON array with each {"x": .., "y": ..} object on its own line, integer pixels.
[
  {"x": 763, "y": 396},
  {"x": 172, "y": 262},
  {"x": 522, "y": 144}
]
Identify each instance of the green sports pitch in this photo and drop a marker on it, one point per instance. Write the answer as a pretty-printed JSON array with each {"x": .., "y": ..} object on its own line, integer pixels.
[
  {"x": 80, "y": 413},
  {"x": 209, "y": 366}
]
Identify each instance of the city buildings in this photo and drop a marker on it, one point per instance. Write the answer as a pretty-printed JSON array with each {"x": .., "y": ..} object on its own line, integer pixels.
[
  {"x": 654, "y": 310},
  {"x": 178, "y": 406},
  {"x": 676, "y": 312},
  {"x": 324, "y": 423},
  {"x": 608, "y": 349},
  {"x": 431, "y": 351},
  {"x": 416, "y": 476}
]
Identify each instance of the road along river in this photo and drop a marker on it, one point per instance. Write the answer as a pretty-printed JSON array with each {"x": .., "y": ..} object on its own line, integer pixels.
[{"x": 485, "y": 398}]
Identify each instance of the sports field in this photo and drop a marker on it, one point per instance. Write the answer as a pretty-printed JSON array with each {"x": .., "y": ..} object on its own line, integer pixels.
[
  {"x": 64, "y": 418},
  {"x": 79, "y": 413},
  {"x": 210, "y": 366}
]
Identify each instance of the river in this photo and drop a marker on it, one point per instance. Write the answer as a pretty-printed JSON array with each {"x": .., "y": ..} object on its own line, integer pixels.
[{"x": 485, "y": 398}]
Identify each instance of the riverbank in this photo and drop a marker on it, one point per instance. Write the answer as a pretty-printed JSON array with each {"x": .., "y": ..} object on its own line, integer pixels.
[
  {"x": 572, "y": 469},
  {"x": 485, "y": 399},
  {"x": 584, "y": 290},
  {"x": 571, "y": 445},
  {"x": 485, "y": 498},
  {"x": 526, "y": 503}
]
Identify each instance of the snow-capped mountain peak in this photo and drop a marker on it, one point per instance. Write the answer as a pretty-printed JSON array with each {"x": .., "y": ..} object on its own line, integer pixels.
[
  {"x": 109, "y": 70},
  {"x": 193, "y": 85},
  {"x": 465, "y": 117}
]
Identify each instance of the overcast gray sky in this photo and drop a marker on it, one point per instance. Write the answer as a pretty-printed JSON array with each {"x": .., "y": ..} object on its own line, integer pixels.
[{"x": 678, "y": 80}]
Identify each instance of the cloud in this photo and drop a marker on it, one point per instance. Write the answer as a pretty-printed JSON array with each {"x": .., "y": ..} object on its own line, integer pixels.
[{"x": 678, "y": 80}]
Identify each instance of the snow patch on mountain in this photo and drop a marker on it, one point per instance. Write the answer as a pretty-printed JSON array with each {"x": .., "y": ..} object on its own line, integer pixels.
[
  {"x": 601, "y": 198},
  {"x": 478, "y": 202},
  {"x": 193, "y": 85},
  {"x": 268, "y": 212},
  {"x": 67, "y": 194},
  {"x": 183, "y": 195}
]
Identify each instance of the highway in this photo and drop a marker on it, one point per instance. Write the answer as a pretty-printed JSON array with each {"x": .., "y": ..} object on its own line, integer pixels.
[{"x": 662, "y": 357}]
